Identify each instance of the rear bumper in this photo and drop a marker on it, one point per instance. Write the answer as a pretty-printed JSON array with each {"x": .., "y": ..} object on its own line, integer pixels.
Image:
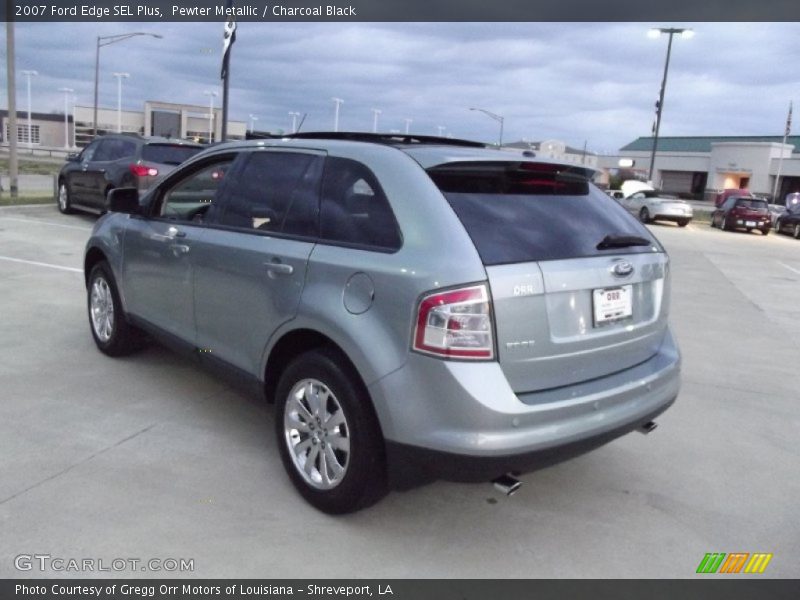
[{"x": 462, "y": 421}]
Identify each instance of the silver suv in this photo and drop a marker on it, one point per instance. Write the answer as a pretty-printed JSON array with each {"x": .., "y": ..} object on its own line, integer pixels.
[{"x": 417, "y": 308}]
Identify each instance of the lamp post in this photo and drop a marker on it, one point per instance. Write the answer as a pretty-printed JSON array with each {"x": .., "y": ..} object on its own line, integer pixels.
[
  {"x": 120, "y": 77},
  {"x": 211, "y": 95},
  {"x": 408, "y": 124},
  {"x": 441, "y": 129},
  {"x": 294, "y": 116},
  {"x": 497, "y": 118},
  {"x": 375, "y": 113},
  {"x": 655, "y": 33},
  {"x": 67, "y": 92},
  {"x": 30, "y": 74},
  {"x": 253, "y": 120},
  {"x": 338, "y": 102},
  {"x": 106, "y": 40}
]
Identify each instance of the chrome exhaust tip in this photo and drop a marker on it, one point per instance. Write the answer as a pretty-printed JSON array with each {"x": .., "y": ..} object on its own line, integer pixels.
[
  {"x": 648, "y": 427},
  {"x": 508, "y": 484}
]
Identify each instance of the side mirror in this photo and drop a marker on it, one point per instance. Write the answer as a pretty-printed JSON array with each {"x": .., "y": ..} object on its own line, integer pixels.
[
  {"x": 73, "y": 157},
  {"x": 124, "y": 200}
]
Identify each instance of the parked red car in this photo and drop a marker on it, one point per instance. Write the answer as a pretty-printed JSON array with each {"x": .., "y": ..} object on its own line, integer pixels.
[{"x": 743, "y": 213}]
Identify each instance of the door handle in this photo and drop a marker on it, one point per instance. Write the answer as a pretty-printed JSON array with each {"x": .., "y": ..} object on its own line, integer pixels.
[
  {"x": 276, "y": 267},
  {"x": 173, "y": 232}
]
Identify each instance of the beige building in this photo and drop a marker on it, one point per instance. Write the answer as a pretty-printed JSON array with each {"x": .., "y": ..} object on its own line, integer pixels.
[{"x": 47, "y": 130}]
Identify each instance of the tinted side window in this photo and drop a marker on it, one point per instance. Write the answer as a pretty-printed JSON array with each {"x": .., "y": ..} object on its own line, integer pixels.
[
  {"x": 88, "y": 153},
  {"x": 123, "y": 149},
  {"x": 275, "y": 191},
  {"x": 354, "y": 209},
  {"x": 195, "y": 196},
  {"x": 103, "y": 151}
]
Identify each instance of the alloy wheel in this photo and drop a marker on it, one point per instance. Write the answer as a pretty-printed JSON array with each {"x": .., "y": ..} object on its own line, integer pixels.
[
  {"x": 317, "y": 434},
  {"x": 102, "y": 309}
]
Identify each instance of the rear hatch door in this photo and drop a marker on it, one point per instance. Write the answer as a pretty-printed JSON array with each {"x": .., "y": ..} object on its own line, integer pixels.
[{"x": 578, "y": 285}]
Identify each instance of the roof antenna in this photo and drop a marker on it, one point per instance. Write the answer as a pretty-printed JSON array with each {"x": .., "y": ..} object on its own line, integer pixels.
[{"x": 303, "y": 120}]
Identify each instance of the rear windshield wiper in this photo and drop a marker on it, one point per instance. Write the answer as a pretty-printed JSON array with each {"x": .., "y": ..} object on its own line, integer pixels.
[{"x": 622, "y": 241}]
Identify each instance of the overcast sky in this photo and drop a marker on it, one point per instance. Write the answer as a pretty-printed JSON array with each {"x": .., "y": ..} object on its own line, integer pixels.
[{"x": 594, "y": 82}]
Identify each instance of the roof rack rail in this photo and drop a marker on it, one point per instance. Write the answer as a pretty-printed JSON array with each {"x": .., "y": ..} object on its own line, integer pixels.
[{"x": 384, "y": 138}]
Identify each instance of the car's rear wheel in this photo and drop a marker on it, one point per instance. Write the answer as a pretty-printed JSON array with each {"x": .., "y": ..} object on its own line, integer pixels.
[
  {"x": 327, "y": 433},
  {"x": 111, "y": 331},
  {"x": 64, "y": 203},
  {"x": 644, "y": 215},
  {"x": 683, "y": 223},
  {"x": 797, "y": 232}
]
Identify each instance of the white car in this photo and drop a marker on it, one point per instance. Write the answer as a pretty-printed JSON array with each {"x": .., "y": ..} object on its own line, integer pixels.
[{"x": 652, "y": 205}]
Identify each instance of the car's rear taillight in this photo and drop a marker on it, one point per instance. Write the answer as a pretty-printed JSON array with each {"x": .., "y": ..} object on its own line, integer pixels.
[
  {"x": 143, "y": 170},
  {"x": 456, "y": 324}
]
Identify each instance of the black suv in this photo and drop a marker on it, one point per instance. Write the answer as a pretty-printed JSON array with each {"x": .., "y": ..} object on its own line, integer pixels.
[{"x": 118, "y": 160}]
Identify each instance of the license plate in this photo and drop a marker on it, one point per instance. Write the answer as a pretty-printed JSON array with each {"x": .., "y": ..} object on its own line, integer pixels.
[
  {"x": 750, "y": 224},
  {"x": 612, "y": 304}
]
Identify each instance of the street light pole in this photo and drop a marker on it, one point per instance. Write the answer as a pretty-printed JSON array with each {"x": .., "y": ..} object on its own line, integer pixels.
[
  {"x": 497, "y": 118},
  {"x": 253, "y": 120},
  {"x": 654, "y": 33},
  {"x": 106, "y": 40},
  {"x": 375, "y": 113},
  {"x": 441, "y": 129},
  {"x": 29, "y": 74},
  {"x": 211, "y": 95},
  {"x": 338, "y": 102},
  {"x": 408, "y": 124},
  {"x": 67, "y": 92},
  {"x": 294, "y": 116},
  {"x": 120, "y": 77}
]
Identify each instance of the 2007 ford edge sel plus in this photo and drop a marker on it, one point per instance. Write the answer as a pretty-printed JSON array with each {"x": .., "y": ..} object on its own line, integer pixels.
[{"x": 416, "y": 307}]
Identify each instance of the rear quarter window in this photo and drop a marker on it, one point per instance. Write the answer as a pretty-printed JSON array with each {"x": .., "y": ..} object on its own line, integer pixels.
[{"x": 524, "y": 212}]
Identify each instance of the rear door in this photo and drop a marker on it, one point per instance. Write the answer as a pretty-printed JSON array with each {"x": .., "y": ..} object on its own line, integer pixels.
[
  {"x": 250, "y": 267},
  {"x": 567, "y": 307}
]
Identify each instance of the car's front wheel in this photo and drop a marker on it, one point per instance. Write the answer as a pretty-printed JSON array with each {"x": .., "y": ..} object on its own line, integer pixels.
[
  {"x": 797, "y": 232},
  {"x": 64, "y": 204},
  {"x": 111, "y": 331},
  {"x": 683, "y": 222},
  {"x": 327, "y": 433}
]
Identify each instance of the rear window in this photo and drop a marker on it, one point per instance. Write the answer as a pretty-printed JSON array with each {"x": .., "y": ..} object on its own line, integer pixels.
[
  {"x": 756, "y": 204},
  {"x": 522, "y": 212},
  {"x": 168, "y": 154}
]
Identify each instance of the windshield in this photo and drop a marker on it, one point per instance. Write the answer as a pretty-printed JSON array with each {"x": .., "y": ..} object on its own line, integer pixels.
[
  {"x": 754, "y": 203},
  {"x": 522, "y": 212},
  {"x": 168, "y": 154}
]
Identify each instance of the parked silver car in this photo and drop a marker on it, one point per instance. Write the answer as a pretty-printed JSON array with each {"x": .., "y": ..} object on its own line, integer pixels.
[
  {"x": 415, "y": 307},
  {"x": 652, "y": 205}
]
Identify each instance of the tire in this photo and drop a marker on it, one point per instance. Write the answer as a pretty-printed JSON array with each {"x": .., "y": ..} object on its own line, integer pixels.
[
  {"x": 725, "y": 225},
  {"x": 777, "y": 226},
  {"x": 797, "y": 232},
  {"x": 765, "y": 231},
  {"x": 749, "y": 229},
  {"x": 63, "y": 200},
  {"x": 644, "y": 215},
  {"x": 110, "y": 329},
  {"x": 712, "y": 222},
  {"x": 343, "y": 431},
  {"x": 683, "y": 223}
]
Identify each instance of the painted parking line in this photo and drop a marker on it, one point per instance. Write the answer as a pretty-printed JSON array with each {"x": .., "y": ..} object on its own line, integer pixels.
[
  {"x": 38, "y": 222},
  {"x": 792, "y": 269},
  {"x": 41, "y": 264}
]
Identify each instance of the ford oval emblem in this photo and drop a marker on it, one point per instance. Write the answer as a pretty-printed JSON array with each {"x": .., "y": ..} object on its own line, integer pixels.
[{"x": 622, "y": 268}]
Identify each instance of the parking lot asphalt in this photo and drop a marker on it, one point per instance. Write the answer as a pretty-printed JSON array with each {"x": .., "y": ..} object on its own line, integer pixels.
[{"x": 151, "y": 457}]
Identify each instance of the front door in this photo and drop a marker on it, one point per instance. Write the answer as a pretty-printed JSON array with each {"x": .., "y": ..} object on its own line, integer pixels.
[{"x": 159, "y": 255}]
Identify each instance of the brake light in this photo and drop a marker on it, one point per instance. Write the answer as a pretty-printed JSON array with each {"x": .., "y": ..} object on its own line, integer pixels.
[
  {"x": 143, "y": 170},
  {"x": 456, "y": 324}
]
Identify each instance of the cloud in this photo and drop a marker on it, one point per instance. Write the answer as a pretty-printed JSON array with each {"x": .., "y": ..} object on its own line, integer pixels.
[{"x": 584, "y": 81}]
